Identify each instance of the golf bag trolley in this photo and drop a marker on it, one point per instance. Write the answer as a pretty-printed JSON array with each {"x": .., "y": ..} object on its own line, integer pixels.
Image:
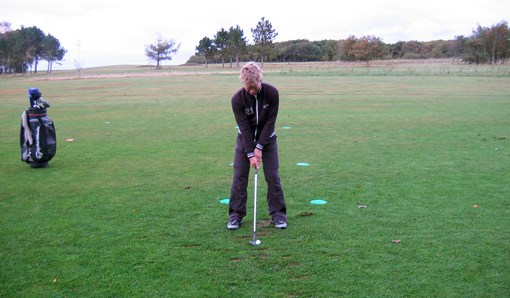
[{"x": 38, "y": 139}]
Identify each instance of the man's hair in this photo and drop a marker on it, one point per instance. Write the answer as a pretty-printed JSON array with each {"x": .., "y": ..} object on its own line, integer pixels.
[{"x": 251, "y": 74}]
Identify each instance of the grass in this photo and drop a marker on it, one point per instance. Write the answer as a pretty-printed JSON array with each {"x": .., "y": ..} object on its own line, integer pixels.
[{"x": 131, "y": 207}]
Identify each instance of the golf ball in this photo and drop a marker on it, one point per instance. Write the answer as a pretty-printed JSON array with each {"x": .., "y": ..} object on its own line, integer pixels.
[{"x": 257, "y": 242}]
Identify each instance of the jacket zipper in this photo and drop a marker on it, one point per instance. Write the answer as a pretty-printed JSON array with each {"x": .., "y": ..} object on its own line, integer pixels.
[{"x": 256, "y": 117}]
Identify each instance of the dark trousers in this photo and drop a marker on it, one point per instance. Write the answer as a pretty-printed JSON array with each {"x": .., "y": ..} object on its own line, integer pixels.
[{"x": 238, "y": 194}]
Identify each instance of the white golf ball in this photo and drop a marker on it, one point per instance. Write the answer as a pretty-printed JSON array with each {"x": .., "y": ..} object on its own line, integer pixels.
[{"x": 257, "y": 242}]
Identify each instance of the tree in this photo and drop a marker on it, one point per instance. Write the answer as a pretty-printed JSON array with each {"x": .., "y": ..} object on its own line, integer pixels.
[
  {"x": 459, "y": 47},
  {"x": 19, "y": 59},
  {"x": 25, "y": 47},
  {"x": 498, "y": 38},
  {"x": 206, "y": 48},
  {"x": 5, "y": 27},
  {"x": 13, "y": 50},
  {"x": 34, "y": 38},
  {"x": 237, "y": 42},
  {"x": 221, "y": 40},
  {"x": 227, "y": 44},
  {"x": 395, "y": 49},
  {"x": 439, "y": 49},
  {"x": 52, "y": 51},
  {"x": 263, "y": 36},
  {"x": 299, "y": 51},
  {"x": 488, "y": 45},
  {"x": 412, "y": 50},
  {"x": 161, "y": 49},
  {"x": 368, "y": 48},
  {"x": 329, "y": 50},
  {"x": 347, "y": 47}
]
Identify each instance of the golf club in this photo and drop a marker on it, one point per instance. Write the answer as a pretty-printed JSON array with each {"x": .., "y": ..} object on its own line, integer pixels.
[{"x": 255, "y": 242}]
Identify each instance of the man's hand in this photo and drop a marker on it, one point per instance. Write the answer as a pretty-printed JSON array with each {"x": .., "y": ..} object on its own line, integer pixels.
[
  {"x": 258, "y": 154},
  {"x": 255, "y": 161}
]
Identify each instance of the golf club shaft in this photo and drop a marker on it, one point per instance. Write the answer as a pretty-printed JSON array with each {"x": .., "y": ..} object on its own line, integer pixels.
[{"x": 255, "y": 205}]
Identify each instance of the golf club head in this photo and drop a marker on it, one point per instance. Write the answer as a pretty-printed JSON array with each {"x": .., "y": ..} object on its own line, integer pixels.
[{"x": 257, "y": 242}]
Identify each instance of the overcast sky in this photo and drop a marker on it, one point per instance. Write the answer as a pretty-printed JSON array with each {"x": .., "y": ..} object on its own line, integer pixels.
[{"x": 114, "y": 32}]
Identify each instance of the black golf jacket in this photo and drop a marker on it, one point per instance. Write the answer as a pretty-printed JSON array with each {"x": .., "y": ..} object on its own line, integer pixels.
[{"x": 256, "y": 116}]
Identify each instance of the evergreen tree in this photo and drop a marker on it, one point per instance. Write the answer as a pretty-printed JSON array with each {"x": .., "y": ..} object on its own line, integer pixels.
[{"x": 263, "y": 36}]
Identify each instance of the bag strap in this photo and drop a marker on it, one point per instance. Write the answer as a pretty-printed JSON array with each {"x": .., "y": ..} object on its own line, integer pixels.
[{"x": 26, "y": 128}]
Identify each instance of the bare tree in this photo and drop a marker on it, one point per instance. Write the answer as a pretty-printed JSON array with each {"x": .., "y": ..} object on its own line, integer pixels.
[
  {"x": 161, "y": 49},
  {"x": 5, "y": 27},
  {"x": 77, "y": 63}
]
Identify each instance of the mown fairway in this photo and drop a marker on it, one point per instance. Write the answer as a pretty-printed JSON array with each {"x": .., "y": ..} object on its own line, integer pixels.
[{"x": 132, "y": 207}]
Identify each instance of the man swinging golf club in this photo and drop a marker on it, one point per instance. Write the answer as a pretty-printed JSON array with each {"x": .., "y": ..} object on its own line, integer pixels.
[{"x": 255, "y": 108}]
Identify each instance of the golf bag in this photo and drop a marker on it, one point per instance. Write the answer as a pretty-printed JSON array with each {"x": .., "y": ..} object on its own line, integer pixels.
[{"x": 38, "y": 139}]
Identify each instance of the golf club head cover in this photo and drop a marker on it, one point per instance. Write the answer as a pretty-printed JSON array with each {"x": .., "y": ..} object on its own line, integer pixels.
[{"x": 33, "y": 96}]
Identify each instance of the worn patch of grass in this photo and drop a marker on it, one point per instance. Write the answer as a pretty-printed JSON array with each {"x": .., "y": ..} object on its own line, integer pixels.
[{"x": 131, "y": 207}]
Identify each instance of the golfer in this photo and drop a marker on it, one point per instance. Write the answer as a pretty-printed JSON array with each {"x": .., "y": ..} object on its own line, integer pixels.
[{"x": 255, "y": 108}]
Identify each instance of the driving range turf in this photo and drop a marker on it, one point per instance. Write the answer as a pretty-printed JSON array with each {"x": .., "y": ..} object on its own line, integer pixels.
[{"x": 131, "y": 207}]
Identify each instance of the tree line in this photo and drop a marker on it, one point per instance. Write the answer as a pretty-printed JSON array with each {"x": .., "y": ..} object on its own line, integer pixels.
[
  {"x": 234, "y": 44},
  {"x": 484, "y": 45},
  {"x": 24, "y": 48}
]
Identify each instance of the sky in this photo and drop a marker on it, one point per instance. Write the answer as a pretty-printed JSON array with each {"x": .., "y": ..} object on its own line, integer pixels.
[{"x": 115, "y": 32}]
